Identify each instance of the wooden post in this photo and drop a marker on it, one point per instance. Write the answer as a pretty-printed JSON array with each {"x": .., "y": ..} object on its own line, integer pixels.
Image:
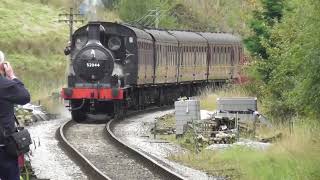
[{"x": 255, "y": 124}]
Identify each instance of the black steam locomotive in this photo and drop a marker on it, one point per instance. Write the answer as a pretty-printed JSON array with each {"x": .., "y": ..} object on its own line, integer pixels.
[{"x": 116, "y": 67}]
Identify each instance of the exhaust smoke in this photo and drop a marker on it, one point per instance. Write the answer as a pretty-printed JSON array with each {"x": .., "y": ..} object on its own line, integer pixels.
[{"x": 92, "y": 9}]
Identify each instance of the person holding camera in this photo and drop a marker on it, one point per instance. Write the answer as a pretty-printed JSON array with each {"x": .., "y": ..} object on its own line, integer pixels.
[{"x": 12, "y": 91}]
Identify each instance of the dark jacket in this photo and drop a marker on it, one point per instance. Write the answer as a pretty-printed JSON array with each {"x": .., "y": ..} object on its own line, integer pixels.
[{"x": 11, "y": 92}]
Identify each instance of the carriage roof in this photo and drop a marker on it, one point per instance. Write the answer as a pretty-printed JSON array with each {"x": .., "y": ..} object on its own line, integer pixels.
[
  {"x": 188, "y": 37},
  {"x": 162, "y": 36},
  {"x": 220, "y": 38}
]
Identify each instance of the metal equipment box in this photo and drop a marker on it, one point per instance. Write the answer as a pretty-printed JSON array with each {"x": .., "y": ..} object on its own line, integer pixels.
[
  {"x": 186, "y": 111},
  {"x": 242, "y": 107}
]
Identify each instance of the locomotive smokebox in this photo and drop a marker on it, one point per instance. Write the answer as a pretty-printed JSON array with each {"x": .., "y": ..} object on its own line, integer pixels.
[{"x": 94, "y": 61}]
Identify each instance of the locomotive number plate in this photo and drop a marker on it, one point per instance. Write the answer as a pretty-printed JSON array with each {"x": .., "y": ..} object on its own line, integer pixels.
[{"x": 89, "y": 65}]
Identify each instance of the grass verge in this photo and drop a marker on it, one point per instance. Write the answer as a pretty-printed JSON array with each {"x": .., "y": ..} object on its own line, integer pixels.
[
  {"x": 208, "y": 98},
  {"x": 41, "y": 75},
  {"x": 295, "y": 157}
]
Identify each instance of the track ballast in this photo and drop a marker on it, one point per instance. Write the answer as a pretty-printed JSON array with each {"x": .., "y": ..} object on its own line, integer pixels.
[{"x": 102, "y": 155}]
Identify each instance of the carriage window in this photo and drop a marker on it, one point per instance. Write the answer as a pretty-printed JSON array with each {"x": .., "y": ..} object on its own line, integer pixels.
[
  {"x": 222, "y": 55},
  {"x": 181, "y": 56},
  {"x": 213, "y": 58},
  {"x": 218, "y": 55},
  {"x": 171, "y": 55},
  {"x": 159, "y": 55},
  {"x": 229, "y": 55},
  {"x": 226, "y": 54},
  {"x": 216, "y": 60}
]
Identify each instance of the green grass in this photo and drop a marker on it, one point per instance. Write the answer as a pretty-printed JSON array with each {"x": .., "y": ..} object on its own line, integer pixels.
[
  {"x": 33, "y": 41},
  {"x": 208, "y": 99},
  {"x": 41, "y": 76},
  {"x": 295, "y": 157},
  {"x": 185, "y": 141},
  {"x": 166, "y": 121},
  {"x": 29, "y": 26}
]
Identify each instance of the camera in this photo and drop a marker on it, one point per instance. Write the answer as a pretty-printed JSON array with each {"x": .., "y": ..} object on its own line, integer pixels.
[{"x": 5, "y": 66}]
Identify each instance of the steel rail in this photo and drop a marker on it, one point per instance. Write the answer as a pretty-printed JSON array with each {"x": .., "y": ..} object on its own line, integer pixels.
[
  {"x": 152, "y": 162},
  {"x": 92, "y": 171}
]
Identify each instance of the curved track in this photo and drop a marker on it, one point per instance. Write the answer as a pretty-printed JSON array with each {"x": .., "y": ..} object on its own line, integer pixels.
[{"x": 103, "y": 156}]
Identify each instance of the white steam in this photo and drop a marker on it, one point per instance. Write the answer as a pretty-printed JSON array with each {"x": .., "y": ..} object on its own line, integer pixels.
[{"x": 91, "y": 9}]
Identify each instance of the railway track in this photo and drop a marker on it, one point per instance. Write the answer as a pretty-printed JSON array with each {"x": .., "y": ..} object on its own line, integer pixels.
[{"x": 101, "y": 155}]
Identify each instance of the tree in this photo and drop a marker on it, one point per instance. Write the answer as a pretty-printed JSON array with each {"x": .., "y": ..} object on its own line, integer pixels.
[
  {"x": 293, "y": 61},
  {"x": 262, "y": 22},
  {"x": 133, "y": 11}
]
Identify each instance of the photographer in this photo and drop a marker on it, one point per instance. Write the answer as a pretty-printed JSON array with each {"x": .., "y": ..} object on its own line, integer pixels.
[{"x": 12, "y": 91}]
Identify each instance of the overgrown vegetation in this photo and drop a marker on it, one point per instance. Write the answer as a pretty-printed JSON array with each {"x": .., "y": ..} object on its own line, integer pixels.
[
  {"x": 294, "y": 157},
  {"x": 33, "y": 41},
  {"x": 208, "y": 98},
  {"x": 287, "y": 65},
  {"x": 202, "y": 15},
  {"x": 222, "y": 16}
]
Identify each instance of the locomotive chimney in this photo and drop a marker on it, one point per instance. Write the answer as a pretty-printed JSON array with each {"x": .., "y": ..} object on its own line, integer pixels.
[{"x": 94, "y": 32}]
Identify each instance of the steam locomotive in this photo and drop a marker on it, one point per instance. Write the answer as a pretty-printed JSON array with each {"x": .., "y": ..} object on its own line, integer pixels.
[{"x": 115, "y": 67}]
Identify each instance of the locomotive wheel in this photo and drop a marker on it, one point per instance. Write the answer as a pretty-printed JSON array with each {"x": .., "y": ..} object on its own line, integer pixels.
[{"x": 78, "y": 116}]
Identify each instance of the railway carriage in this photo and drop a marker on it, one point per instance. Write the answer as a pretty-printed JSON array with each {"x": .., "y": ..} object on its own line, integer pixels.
[
  {"x": 116, "y": 67},
  {"x": 192, "y": 56},
  {"x": 166, "y": 56}
]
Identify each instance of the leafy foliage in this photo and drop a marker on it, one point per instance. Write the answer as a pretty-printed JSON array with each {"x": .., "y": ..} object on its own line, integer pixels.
[
  {"x": 200, "y": 15},
  {"x": 296, "y": 77},
  {"x": 221, "y": 16},
  {"x": 289, "y": 74},
  {"x": 133, "y": 11},
  {"x": 261, "y": 24}
]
